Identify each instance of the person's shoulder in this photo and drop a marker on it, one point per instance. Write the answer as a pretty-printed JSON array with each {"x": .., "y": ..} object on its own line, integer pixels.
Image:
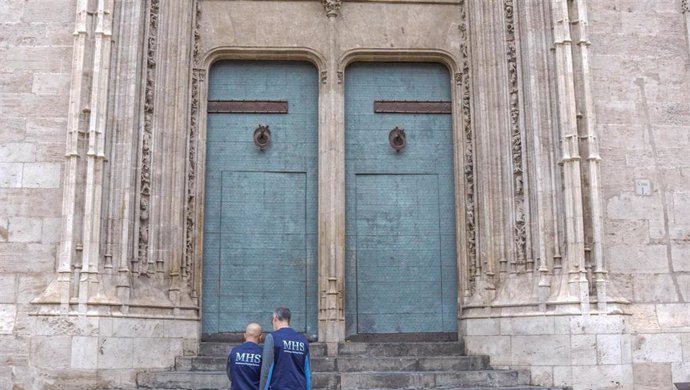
[
  {"x": 237, "y": 347},
  {"x": 304, "y": 339},
  {"x": 298, "y": 334}
]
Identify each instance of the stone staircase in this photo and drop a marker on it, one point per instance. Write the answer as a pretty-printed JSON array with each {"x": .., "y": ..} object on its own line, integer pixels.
[{"x": 357, "y": 366}]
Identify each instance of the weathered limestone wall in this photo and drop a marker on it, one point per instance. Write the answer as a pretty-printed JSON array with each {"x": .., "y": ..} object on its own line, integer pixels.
[
  {"x": 641, "y": 72},
  {"x": 35, "y": 65},
  {"x": 640, "y": 67},
  {"x": 55, "y": 352},
  {"x": 101, "y": 352}
]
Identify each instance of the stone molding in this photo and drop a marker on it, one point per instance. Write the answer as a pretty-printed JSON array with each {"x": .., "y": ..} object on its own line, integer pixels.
[
  {"x": 521, "y": 259},
  {"x": 472, "y": 268},
  {"x": 141, "y": 261},
  {"x": 192, "y": 227}
]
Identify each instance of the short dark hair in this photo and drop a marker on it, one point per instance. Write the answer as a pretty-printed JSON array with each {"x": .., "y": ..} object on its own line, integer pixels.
[{"x": 282, "y": 314}]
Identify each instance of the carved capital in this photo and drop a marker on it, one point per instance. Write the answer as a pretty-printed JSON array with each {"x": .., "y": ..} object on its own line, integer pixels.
[{"x": 332, "y": 7}]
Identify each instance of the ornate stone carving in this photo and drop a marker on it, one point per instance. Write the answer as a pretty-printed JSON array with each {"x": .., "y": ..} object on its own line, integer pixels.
[
  {"x": 147, "y": 135},
  {"x": 198, "y": 76},
  {"x": 515, "y": 137},
  {"x": 332, "y": 7},
  {"x": 197, "y": 34},
  {"x": 685, "y": 6},
  {"x": 463, "y": 78},
  {"x": 190, "y": 237},
  {"x": 324, "y": 77}
]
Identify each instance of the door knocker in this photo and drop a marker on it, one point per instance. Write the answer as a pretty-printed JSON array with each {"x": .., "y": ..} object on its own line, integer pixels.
[
  {"x": 397, "y": 139},
  {"x": 262, "y": 137}
]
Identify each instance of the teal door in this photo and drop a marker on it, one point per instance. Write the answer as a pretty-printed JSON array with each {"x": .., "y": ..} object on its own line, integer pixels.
[
  {"x": 400, "y": 209},
  {"x": 260, "y": 206}
]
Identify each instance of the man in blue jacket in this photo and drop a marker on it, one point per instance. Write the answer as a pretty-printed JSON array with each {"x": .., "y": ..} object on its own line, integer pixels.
[
  {"x": 285, "y": 363},
  {"x": 244, "y": 361}
]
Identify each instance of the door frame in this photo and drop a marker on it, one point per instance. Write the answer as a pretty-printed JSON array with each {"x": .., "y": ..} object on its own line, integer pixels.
[{"x": 331, "y": 164}]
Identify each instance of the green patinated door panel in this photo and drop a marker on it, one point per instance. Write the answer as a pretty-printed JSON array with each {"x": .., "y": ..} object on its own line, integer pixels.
[
  {"x": 400, "y": 209},
  {"x": 260, "y": 206}
]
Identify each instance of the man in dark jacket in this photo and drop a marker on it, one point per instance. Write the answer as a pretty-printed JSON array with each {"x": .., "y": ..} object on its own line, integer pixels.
[
  {"x": 285, "y": 363},
  {"x": 244, "y": 361}
]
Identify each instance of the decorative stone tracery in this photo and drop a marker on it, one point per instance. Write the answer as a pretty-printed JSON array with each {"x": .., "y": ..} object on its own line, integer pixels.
[
  {"x": 142, "y": 259},
  {"x": 198, "y": 76},
  {"x": 519, "y": 234},
  {"x": 463, "y": 79}
]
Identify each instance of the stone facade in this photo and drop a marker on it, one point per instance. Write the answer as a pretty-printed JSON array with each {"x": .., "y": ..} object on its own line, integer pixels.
[{"x": 571, "y": 122}]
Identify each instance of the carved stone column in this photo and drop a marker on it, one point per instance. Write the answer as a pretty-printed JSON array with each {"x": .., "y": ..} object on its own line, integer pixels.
[
  {"x": 538, "y": 117},
  {"x": 331, "y": 190},
  {"x": 498, "y": 159},
  {"x": 123, "y": 140},
  {"x": 90, "y": 288},
  {"x": 575, "y": 288},
  {"x": 163, "y": 145},
  {"x": 592, "y": 165},
  {"x": 84, "y": 173},
  {"x": 59, "y": 290}
]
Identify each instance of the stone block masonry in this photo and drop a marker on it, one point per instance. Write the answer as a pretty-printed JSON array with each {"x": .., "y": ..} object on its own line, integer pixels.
[
  {"x": 591, "y": 352},
  {"x": 35, "y": 65}
]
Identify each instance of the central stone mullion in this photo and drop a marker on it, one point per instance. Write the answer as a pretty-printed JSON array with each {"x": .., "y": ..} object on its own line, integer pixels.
[{"x": 331, "y": 197}]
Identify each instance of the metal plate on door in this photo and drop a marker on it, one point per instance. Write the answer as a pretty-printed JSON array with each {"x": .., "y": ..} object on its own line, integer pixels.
[
  {"x": 248, "y": 106},
  {"x": 412, "y": 107}
]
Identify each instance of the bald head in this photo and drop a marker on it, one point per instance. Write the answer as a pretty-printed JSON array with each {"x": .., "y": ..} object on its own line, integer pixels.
[{"x": 253, "y": 332}]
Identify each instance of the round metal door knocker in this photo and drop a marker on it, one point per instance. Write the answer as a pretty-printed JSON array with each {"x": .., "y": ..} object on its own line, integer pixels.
[
  {"x": 397, "y": 139},
  {"x": 262, "y": 137}
]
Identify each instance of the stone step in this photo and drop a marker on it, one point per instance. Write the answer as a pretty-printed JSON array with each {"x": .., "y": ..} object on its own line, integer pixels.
[
  {"x": 219, "y": 348},
  {"x": 192, "y": 380},
  {"x": 214, "y": 380},
  {"x": 417, "y": 364},
  {"x": 509, "y": 388},
  {"x": 446, "y": 380},
  {"x": 492, "y": 388},
  {"x": 429, "y": 379},
  {"x": 442, "y": 348},
  {"x": 354, "y": 363},
  {"x": 204, "y": 380},
  {"x": 217, "y": 363}
]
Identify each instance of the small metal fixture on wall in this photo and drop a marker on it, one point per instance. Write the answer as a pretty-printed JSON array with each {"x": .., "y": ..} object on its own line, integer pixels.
[
  {"x": 397, "y": 139},
  {"x": 262, "y": 137}
]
